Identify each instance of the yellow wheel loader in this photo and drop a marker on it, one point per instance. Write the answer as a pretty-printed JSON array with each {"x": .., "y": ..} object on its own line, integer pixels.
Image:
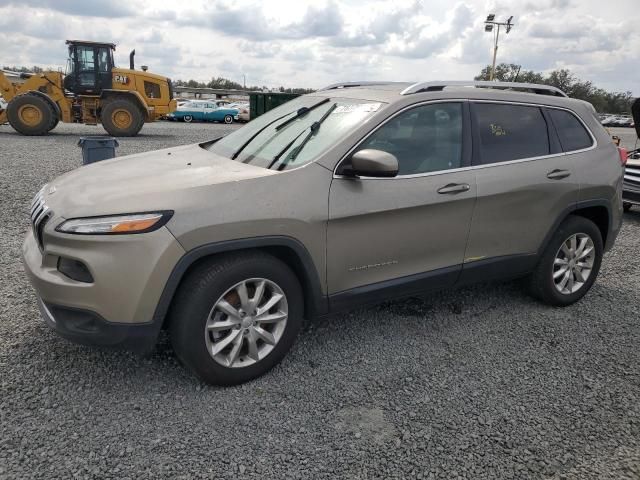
[{"x": 93, "y": 91}]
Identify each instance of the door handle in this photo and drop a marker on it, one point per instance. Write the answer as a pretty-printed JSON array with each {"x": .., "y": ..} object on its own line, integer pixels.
[
  {"x": 558, "y": 174},
  {"x": 454, "y": 188}
]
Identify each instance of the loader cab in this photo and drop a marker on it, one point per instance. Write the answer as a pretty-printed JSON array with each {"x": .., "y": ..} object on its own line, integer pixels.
[{"x": 89, "y": 67}]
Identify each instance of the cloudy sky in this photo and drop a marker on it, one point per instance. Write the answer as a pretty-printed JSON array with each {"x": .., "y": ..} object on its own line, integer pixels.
[{"x": 311, "y": 43}]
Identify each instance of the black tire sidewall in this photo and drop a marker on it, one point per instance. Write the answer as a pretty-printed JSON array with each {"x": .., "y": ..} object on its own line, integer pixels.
[
  {"x": 188, "y": 320},
  {"x": 546, "y": 288},
  {"x": 123, "y": 103},
  {"x": 48, "y": 114}
]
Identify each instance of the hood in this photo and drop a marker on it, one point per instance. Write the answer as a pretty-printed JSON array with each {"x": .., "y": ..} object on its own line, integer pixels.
[
  {"x": 635, "y": 111},
  {"x": 143, "y": 182}
]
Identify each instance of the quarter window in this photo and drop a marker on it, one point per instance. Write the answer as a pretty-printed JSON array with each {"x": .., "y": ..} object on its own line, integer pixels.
[
  {"x": 423, "y": 139},
  {"x": 572, "y": 134},
  {"x": 510, "y": 132}
]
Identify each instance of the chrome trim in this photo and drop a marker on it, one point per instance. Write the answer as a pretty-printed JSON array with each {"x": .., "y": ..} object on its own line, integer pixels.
[
  {"x": 471, "y": 167},
  {"x": 440, "y": 85},
  {"x": 39, "y": 213},
  {"x": 335, "y": 86}
]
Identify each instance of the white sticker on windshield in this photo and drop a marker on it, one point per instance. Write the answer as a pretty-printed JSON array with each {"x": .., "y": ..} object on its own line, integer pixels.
[{"x": 358, "y": 107}]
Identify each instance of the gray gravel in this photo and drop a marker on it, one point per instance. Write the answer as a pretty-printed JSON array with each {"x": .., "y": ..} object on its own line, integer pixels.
[{"x": 476, "y": 383}]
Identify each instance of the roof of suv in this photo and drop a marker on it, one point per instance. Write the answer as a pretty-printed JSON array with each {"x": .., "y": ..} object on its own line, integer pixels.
[{"x": 392, "y": 92}]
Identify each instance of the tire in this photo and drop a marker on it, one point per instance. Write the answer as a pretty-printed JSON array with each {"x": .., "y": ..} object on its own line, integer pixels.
[
  {"x": 197, "y": 304},
  {"x": 31, "y": 114},
  {"x": 188, "y": 118},
  {"x": 626, "y": 206},
  {"x": 228, "y": 119},
  {"x": 122, "y": 117},
  {"x": 542, "y": 283}
]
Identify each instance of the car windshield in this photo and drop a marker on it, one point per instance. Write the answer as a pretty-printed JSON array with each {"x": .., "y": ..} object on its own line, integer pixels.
[{"x": 299, "y": 140}]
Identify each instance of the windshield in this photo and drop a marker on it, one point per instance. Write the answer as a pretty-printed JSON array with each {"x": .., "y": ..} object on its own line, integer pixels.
[{"x": 287, "y": 142}]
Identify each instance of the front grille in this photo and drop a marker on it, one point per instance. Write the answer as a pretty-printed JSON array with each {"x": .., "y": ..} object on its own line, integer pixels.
[
  {"x": 40, "y": 214},
  {"x": 632, "y": 175}
]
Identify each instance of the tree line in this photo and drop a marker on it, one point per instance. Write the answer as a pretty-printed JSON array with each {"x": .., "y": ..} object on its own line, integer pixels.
[{"x": 603, "y": 101}]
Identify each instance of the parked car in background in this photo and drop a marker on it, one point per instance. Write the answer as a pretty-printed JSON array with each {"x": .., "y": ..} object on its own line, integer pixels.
[
  {"x": 205, "y": 111},
  {"x": 243, "y": 111},
  {"x": 351, "y": 195},
  {"x": 631, "y": 185},
  {"x": 618, "y": 121}
]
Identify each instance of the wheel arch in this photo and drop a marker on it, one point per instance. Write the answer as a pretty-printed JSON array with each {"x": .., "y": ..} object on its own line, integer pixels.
[
  {"x": 48, "y": 99},
  {"x": 288, "y": 250},
  {"x": 598, "y": 211}
]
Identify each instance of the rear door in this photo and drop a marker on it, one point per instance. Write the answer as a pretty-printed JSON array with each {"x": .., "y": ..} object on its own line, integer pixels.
[
  {"x": 407, "y": 232},
  {"x": 525, "y": 184}
]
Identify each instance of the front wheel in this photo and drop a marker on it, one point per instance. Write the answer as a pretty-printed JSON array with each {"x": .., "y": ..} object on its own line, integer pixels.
[
  {"x": 235, "y": 317},
  {"x": 188, "y": 118},
  {"x": 228, "y": 119},
  {"x": 570, "y": 263}
]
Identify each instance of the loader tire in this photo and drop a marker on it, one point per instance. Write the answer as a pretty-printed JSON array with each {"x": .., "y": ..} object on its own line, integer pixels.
[
  {"x": 31, "y": 114},
  {"x": 122, "y": 118}
]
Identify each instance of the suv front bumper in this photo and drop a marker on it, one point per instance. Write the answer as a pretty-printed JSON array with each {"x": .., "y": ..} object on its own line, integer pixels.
[{"x": 129, "y": 273}]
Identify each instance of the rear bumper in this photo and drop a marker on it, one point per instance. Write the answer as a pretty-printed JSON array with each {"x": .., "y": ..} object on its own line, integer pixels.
[
  {"x": 89, "y": 328},
  {"x": 630, "y": 194}
]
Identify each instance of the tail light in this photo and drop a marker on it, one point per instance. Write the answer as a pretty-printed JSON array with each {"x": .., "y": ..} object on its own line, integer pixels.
[{"x": 623, "y": 155}]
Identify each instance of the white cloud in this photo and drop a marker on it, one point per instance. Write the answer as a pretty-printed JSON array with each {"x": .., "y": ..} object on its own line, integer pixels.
[{"x": 312, "y": 43}]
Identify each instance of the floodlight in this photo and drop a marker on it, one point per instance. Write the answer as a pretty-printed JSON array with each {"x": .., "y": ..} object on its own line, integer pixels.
[
  {"x": 488, "y": 28},
  {"x": 491, "y": 17}
]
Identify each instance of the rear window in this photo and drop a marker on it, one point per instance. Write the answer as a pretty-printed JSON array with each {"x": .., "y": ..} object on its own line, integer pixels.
[
  {"x": 510, "y": 132},
  {"x": 571, "y": 132}
]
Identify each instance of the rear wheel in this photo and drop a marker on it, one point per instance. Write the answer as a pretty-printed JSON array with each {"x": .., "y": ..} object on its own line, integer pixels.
[
  {"x": 122, "y": 118},
  {"x": 626, "y": 206},
  {"x": 228, "y": 119},
  {"x": 31, "y": 114},
  {"x": 235, "y": 317},
  {"x": 570, "y": 263}
]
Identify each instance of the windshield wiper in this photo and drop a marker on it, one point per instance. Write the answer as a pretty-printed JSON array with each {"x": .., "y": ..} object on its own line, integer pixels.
[
  {"x": 301, "y": 111},
  {"x": 313, "y": 130}
]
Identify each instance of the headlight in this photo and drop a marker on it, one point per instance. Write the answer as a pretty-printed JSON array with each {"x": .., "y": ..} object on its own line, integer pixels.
[{"x": 116, "y": 224}]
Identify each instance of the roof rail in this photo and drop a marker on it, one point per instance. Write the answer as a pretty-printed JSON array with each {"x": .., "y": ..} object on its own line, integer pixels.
[
  {"x": 438, "y": 86},
  {"x": 356, "y": 84}
]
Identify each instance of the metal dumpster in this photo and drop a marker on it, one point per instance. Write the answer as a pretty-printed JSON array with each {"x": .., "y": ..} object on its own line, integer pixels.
[
  {"x": 96, "y": 148},
  {"x": 261, "y": 102}
]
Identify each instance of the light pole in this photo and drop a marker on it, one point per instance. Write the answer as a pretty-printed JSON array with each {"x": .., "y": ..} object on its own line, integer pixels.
[
  {"x": 489, "y": 25},
  {"x": 244, "y": 80}
]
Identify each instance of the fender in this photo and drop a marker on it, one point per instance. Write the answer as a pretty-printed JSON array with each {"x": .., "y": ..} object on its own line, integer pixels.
[
  {"x": 46, "y": 97},
  {"x": 600, "y": 202},
  {"x": 316, "y": 303}
]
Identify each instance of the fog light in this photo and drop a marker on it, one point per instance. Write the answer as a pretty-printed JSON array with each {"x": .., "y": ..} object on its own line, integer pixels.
[{"x": 75, "y": 270}]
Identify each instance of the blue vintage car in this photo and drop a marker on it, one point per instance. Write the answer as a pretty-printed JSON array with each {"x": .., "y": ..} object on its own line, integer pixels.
[{"x": 205, "y": 111}]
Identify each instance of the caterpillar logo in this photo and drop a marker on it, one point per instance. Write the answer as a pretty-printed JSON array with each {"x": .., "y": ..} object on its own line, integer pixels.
[{"x": 124, "y": 79}]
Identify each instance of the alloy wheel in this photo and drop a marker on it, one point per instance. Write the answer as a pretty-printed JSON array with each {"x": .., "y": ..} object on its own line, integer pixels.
[
  {"x": 246, "y": 323},
  {"x": 573, "y": 263}
]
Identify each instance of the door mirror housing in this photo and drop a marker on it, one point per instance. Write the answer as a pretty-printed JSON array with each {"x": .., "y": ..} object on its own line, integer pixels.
[{"x": 373, "y": 163}]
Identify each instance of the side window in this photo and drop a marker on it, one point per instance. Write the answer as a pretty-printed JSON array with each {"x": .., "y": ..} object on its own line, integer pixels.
[
  {"x": 103, "y": 60},
  {"x": 510, "y": 132},
  {"x": 572, "y": 134},
  {"x": 151, "y": 90},
  {"x": 86, "y": 59},
  {"x": 423, "y": 139}
]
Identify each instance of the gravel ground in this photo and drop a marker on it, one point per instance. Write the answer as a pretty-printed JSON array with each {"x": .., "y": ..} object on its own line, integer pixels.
[{"x": 481, "y": 382}]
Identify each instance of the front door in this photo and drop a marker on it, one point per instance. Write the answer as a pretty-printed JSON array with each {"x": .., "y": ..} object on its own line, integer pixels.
[{"x": 411, "y": 229}]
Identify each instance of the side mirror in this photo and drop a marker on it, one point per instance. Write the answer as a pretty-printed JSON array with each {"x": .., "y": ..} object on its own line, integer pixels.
[{"x": 374, "y": 163}]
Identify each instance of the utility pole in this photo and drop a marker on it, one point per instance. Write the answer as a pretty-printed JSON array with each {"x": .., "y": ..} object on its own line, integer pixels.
[
  {"x": 489, "y": 25},
  {"x": 244, "y": 81}
]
